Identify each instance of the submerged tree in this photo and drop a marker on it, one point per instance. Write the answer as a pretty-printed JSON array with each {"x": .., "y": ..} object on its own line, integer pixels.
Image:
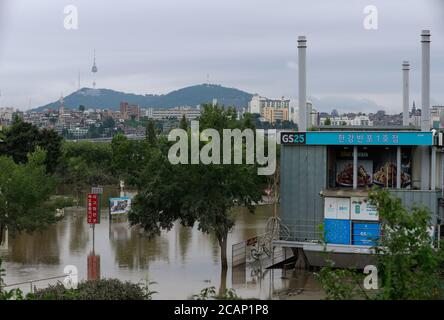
[
  {"x": 198, "y": 193},
  {"x": 25, "y": 191}
]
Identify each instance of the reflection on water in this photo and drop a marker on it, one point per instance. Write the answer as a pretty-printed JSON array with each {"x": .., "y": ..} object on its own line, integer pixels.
[{"x": 182, "y": 261}]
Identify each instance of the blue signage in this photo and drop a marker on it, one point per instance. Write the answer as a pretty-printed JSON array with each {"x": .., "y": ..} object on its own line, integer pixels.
[{"x": 373, "y": 138}]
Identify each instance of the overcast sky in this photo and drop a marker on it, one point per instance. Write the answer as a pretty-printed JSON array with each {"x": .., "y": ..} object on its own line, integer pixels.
[{"x": 159, "y": 46}]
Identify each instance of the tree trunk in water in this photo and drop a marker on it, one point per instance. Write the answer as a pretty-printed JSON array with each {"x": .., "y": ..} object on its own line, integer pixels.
[
  {"x": 78, "y": 196},
  {"x": 223, "y": 282},
  {"x": 223, "y": 251},
  {"x": 2, "y": 231}
]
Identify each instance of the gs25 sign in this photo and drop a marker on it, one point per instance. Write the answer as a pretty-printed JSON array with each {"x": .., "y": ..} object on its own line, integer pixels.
[{"x": 293, "y": 138}]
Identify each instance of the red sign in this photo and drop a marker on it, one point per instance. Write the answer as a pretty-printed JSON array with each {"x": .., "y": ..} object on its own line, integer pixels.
[
  {"x": 93, "y": 208},
  {"x": 251, "y": 241}
]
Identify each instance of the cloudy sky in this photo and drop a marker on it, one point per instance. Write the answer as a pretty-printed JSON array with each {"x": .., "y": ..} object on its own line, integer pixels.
[{"x": 157, "y": 46}]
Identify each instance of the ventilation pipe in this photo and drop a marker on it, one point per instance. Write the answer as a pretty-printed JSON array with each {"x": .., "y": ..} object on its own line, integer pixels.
[
  {"x": 425, "y": 81},
  {"x": 302, "y": 48},
  {"x": 425, "y": 108},
  {"x": 405, "y": 93}
]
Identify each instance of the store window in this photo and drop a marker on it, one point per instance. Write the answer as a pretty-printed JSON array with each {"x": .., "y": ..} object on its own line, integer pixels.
[{"x": 377, "y": 165}]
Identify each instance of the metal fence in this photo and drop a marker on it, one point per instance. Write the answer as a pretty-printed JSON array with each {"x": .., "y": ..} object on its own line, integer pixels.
[
  {"x": 31, "y": 284},
  {"x": 239, "y": 254},
  {"x": 301, "y": 230}
]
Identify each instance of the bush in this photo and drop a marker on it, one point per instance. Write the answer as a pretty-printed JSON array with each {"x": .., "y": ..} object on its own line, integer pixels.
[
  {"x": 409, "y": 267},
  {"x": 210, "y": 294},
  {"x": 104, "y": 289}
]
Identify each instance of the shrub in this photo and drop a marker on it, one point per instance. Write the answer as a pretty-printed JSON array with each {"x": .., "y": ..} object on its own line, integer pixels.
[{"x": 104, "y": 289}]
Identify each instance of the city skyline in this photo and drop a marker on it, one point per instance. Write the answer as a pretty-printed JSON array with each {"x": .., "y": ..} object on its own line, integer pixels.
[{"x": 254, "y": 49}]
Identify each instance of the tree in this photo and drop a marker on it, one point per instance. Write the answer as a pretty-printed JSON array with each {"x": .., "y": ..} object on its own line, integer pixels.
[
  {"x": 151, "y": 135},
  {"x": 22, "y": 138},
  {"x": 183, "y": 123},
  {"x": 25, "y": 191},
  {"x": 202, "y": 194},
  {"x": 51, "y": 142},
  {"x": 82, "y": 108},
  {"x": 97, "y": 158},
  {"x": 128, "y": 157},
  {"x": 109, "y": 123},
  {"x": 78, "y": 173},
  {"x": 327, "y": 122},
  {"x": 409, "y": 266}
]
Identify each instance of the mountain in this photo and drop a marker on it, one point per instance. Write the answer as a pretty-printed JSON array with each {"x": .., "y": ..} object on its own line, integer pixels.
[{"x": 189, "y": 96}]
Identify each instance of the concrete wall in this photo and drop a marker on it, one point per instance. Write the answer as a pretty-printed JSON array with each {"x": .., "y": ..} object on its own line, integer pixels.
[{"x": 303, "y": 176}]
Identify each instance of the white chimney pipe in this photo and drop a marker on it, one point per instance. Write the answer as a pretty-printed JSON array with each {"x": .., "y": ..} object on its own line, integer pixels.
[
  {"x": 425, "y": 81},
  {"x": 425, "y": 108},
  {"x": 302, "y": 48},
  {"x": 405, "y": 93}
]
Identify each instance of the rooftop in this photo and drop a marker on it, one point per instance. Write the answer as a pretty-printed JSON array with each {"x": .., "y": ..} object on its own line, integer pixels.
[{"x": 366, "y": 128}]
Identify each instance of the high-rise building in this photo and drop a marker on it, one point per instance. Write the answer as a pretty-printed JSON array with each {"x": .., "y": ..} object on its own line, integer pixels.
[
  {"x": 272, "y": 115},
  {"x": 258, "y": 103},
  {"x": 311, "y": 113},
  {"x": 129, "y": 111},
  {"x": 6, "y": 114},
  {"x": 174, "y": 113}
]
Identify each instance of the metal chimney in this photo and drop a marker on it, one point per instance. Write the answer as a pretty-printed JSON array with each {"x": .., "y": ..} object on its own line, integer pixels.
[
  {"x": 425, "y": 81},
  {"x": 425, "y": 108},
  {"x": 405, "y": 93},
  {"x": 302, "y": 48}
]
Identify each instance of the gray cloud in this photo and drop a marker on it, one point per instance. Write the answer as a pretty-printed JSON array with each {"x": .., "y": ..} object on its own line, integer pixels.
[{"x": 158, "y": 46}]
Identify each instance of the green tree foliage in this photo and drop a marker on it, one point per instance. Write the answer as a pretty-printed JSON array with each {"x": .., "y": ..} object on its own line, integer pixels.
[
  {"x": 78, "y": 175},
  {"x": 51, "y": 142},
  {"x": 341, "y": 284},
  {"x": 202, "y": 194},
  {"x": 151, "y": 135},
  {"x": 14, "y": 294},
  {"x": 96, "y": 158},
  {"x": 183, "y": 124},
  {"x": 327, "y": 122},
  {"x": 25, "y": 191},
  {"x": 81, "y": 108},
  {"x": 128, "y": 157},
  {"x": 109, "y": 123},
  {"x": 409, "y": 266},
  {"x": 22, "y": 138},
  {"x": 103, "y": 289},
  {"x": 210, "y": 294}
]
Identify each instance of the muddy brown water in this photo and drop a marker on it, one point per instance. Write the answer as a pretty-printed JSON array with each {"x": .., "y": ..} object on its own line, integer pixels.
[{"x": 182, "y": 261}]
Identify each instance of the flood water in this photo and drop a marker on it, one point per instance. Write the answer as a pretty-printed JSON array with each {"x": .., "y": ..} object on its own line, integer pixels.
[{"x": 182, "y": 261}]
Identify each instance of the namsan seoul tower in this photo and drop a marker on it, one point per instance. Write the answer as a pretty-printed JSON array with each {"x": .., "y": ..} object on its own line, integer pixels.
[{"x": 94, "y": 69}]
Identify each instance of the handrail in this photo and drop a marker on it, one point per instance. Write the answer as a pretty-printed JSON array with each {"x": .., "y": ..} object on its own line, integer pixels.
[{"x": 31, "y": 282}]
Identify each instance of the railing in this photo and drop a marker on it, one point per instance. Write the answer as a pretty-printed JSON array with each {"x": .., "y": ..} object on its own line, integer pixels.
[
  {"x": 301, "y": 230},
  {"x": 32, "y": 282},
  {"x": 239, "y": 254}
]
